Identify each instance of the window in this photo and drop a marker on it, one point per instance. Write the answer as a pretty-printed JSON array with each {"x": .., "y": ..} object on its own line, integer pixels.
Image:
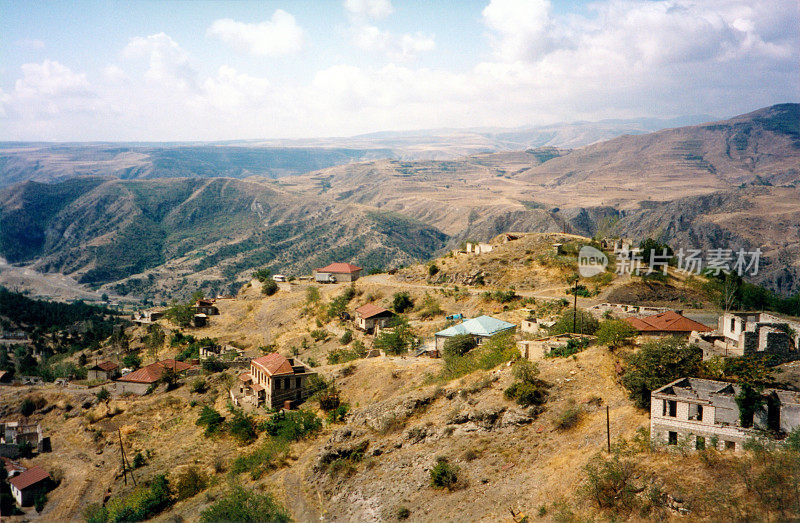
[
  {"x": 672, "y": 438},
  {"x": 730, "y": 445},
  {"x": 733, "y": 324},
  {"x": 695, "y": 412},
  {"x": 670, "y": 408},
  {"x": 700, "y": 443}
]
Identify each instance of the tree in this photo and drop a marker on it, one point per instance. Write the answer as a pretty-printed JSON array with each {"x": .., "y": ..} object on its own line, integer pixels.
[
  {"x": 402, "y": 302},
  {"x": 132, "y": 361},
  {"x": 397, "y": 340},
  {"x": 458, "y": 345},
  {"x": 584, "y": 323},
  {"x": 262, "y": 275},
  {"x": 433, "y": 270},
  {"x": 245, "y": 505},
  {"x": 180, "y": 314},
  {"x": 749, "y": 400},
  {"x": 169, "y": 377},
  {"x": 658, "y": 363},
  {"x": 615, "y": 333}
]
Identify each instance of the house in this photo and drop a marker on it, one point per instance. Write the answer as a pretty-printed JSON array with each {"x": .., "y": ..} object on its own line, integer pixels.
[
  {"x": 13, "y": 468},
  {"x": 541, "y": 347},
  {"x": 273, "y": 381},
  {"x": 480, "y": 328},
  {"x": 370, "y": 316},
  {"x": 28, "y": 485},
  {"x": 139, "y": 381},
  {"x": 337, "y": 272},
  {"x": 667, "y": 323},
  {"x": 219, "y": 351},
  {"x": 105, "y": 370},
  {"x": 699, "y": 413},
  {"x": 205, "y": 306},
  {"x": 478, "y": 248},
  {"x": 758, "y": 333},
  {"x": 199, "y": 320},
  {"x": 16, "y": 433},
  {"x": 144, "y": 317}
]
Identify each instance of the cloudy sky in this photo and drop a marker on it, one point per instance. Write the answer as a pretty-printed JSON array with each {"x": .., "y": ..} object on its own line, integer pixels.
[{"x": 193, "y": 70}]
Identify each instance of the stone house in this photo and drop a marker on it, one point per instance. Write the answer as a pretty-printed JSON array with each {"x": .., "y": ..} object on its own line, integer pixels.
[
  {"x": 699, "y": 413},
  {"x": 139, "y": 381},
  {"x": 105, "y": 370},
  {"x": 206, "y": 306},
  {"x": 370, "y": 316},
  {"x": 338, "y": 272},
  {"x": 478, "y": 248},
  {"x": 480, "y": 328},
  {"x": 541, "y": 347},
  {"x": 758, "y": 333},
  {"x": 273, "y": 381},
  {"x": 28, "y": 485}
]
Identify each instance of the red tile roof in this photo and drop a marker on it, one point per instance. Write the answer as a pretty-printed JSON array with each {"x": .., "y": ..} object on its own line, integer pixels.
[
  {"x": 29, "y": 478},
  {"x": 669, "y": 321},
  {"x": 11, "y": 465},
  {"x": 107, "y": 366},
  {"x": 245, "y": 377},
  {"x": 274, "y": 364},
  {"x": 340, "y": 268},
  {"x": 370, "y": 309},
  {"x": 153, "y": 372}
]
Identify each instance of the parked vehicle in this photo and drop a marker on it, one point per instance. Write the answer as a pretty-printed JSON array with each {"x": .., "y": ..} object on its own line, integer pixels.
[{"x": 324, "y": 277}]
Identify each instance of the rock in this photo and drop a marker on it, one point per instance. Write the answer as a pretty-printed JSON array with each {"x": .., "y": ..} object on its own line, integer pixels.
[{"x": 515, "y": 417}]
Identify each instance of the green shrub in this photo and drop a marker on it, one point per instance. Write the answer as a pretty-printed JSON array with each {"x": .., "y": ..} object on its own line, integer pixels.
[
  {"x": 269, "y": 288},
  {"x": 338, "y": 414},
  {"x": 528, "y": 389},
  {"x": 347, "y": 337},
  {"x": 584, "y": 323},
  {"x": 568, "y": 417},
  {"x": 402, "y": 302},
  {"x": 242, "y": 427},
  {"x": 444, "y": 474},
  {"x": 610, "y": 483},
  {"x": 396, "y": 341},
  {"x": 433, "y": 270},
  {"x": 138, "y": 460},
  {"x": 494, "y": 351},
  {"x": 212, "y": 420},
  {"x": 572, "y": 347},
  {"x": 189, "y": 483},
  {"x": 615, "y": 333},
  {"x": 245, "y": 505},
  {"x": 292, "y": 425},
  {"x": 269, "y": 456},
  {"x": 28, "y": 407},
  {"x": 458, "y": 345},
  {"x": 199, "y": 386},
  {"x": 319, "y": 334},
  {"x": 144, "y": 502}
]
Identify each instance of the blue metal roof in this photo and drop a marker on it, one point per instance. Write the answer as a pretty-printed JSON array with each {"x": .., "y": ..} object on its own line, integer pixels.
[{"x": 481, "y": 326}]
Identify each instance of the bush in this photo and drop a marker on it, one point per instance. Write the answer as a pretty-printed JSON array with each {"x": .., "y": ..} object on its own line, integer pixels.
[
  {"x": 458, "y": 345},
  {"x": 242, "y": 427},
  {"x": 245, "y": 505},
  {"x": 329, "y": 399},
  {"x": 319, "y": 334},
  {"x": 189, "y": 483},
  {"x": 270, "y": 456},
  {"x": 444, "y": 475},
  {"x": 199, "y": 386},
  {"x": 347, "y": 337},
  {"x": 609, "y": 483},
  {"x": 213, "y": 365},
  {"x": 211, "y": 419},
  {"x": 494, "y": 351},
  {"x": 430, "y": 307},
  {"x": 142, "y": 503},
  {"x": 568, "y": 417},
  {"x": 396, "y": 341},
  {"x": 573, "y": 346},
  {"x": 615, "y": 333},
  {"x": 292, "y": 425},
  {"x": 132, "y": 361},
  {"x": 402, "y": 302},
  {"x": 28, "y": 407},
  {"x": 338, "y": 414},
  {"x": 433, "y": 270},
  {"x": 138, "y": 460},
  {"x": 403, "y": 513},
  {"x": 528, "y": 389},
  {"x": 269, "y": 288}
]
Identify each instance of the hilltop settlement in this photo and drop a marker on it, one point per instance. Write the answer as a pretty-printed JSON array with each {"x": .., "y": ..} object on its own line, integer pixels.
[{"x": 495, "y": 372}]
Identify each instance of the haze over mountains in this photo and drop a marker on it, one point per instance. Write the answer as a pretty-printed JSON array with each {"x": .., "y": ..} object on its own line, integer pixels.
[{"x": 727, "y": 184}]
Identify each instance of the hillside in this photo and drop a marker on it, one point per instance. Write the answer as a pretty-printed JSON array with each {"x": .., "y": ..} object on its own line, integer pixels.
[{"x": 710, "y": 185}]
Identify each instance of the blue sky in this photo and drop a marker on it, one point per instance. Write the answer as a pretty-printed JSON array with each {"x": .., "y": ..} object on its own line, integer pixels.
[{"x": 191, "y": 70}]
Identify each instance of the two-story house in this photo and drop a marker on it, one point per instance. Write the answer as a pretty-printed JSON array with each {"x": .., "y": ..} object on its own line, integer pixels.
[
  {"x": 699, "y": 413},
  {"x": 758, "y": 333},
  {"x": 273, "y": 381}
]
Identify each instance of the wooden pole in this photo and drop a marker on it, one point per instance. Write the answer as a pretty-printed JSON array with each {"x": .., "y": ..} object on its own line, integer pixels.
[
  {"x": 575, "y": 306},
  {"x": 608, "y": 429},
  {"x": 122, "y": 457}
]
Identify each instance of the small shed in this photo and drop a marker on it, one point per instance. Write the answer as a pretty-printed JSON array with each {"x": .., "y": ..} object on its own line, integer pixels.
[
  {"x": 105, "y": 370},
  {"x": 371, "y": 315}
]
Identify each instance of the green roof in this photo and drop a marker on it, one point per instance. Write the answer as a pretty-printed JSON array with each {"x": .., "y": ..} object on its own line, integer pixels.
[{"x": 481, "y": 326}]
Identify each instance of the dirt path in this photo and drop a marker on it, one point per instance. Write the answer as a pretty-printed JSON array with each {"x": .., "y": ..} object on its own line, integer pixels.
[{"x": 298, "y": 503}]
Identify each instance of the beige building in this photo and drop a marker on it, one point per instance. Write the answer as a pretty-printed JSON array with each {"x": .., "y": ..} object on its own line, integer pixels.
[
  {"x": 273, "y": 381},
  {"x": 337, "y": 273},
  {"x": 370, "y": 316},
  {"x": 541, "y": 347},
  {"x": 698, "y": 413},
  {"x": 748, "y": 333}
]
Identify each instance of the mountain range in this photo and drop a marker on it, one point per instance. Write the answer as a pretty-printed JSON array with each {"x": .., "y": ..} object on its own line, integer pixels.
[{"x": 153, "y": 230}]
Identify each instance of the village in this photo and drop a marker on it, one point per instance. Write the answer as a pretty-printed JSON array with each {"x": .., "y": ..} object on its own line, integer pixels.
[{"x": 416, "y": 318}]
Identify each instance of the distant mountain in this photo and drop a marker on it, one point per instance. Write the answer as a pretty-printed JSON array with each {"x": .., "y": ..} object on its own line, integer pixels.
[
  {"x": 729, "y": 184},
  {"x": 46, "y": 162}
]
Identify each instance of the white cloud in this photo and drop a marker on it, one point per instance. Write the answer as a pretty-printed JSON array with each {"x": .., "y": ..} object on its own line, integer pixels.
[
  {"x": 524, "y": 27},
  {"x": 168, "y": 63},
  {"x": 369, "y": 9},
  {"x": 277, "y": 37},
  {"x": 396, "y": 47},
  {"x": 51, "y": 78}
]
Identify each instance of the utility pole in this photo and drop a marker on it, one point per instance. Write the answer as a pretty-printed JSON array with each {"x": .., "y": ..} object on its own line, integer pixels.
[
  {"x": 575, "y": 306},
  {"x": 608, "y": 430}
]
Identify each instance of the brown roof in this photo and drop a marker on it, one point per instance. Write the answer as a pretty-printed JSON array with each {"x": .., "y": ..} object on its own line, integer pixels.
[
  {"x": 340, "y": 268},
  {"x": 274, "y": 364},
  {"x": 370, "y": 309},
  {"x": 29, "y": 478},
  {"x": 669, "y": 321},
  {"x": 153, "y": 372},
  {"x": 245, "y": 377},
  {"x": 11, "y": 465},
  {"x": 204, "y": 303},
  {"x": 107, "y": 366}
]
